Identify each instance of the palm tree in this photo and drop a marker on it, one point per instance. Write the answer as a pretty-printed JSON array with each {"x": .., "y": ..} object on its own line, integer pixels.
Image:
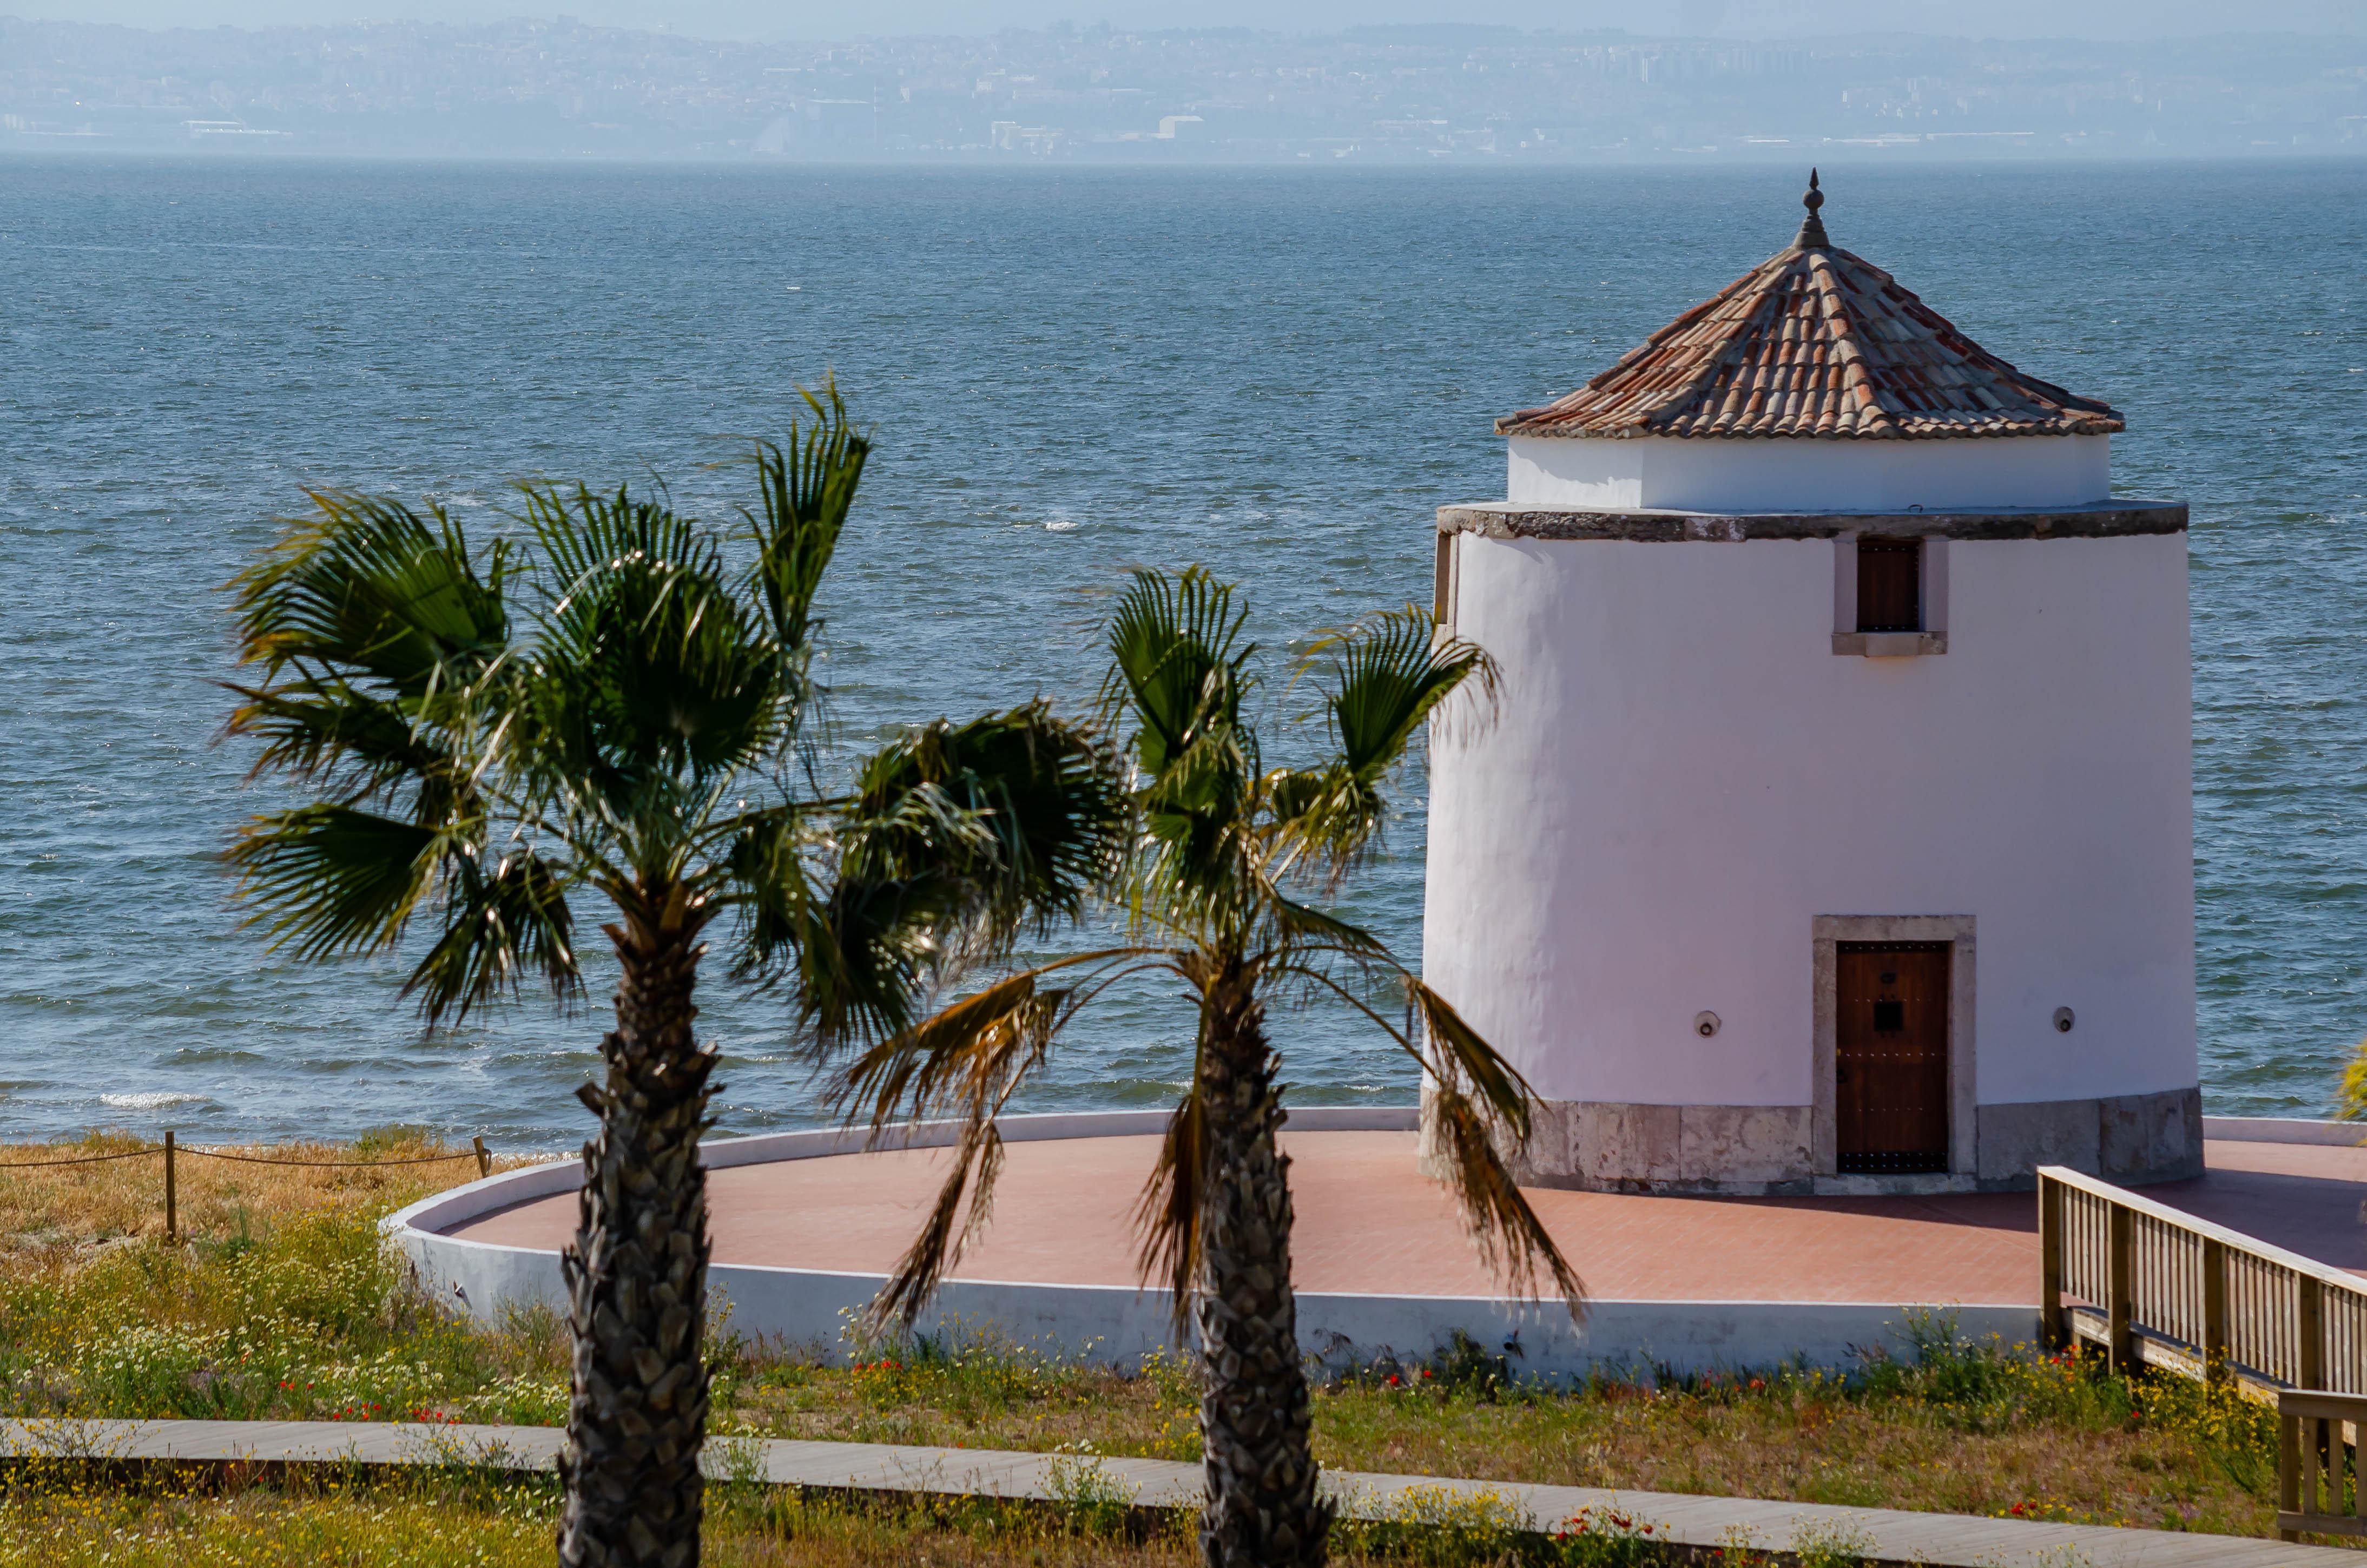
[
  {"x": 618, "y": 706},
  {"x": 1221, "y": 846}
]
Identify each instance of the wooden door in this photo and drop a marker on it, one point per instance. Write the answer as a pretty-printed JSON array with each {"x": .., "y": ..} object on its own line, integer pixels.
[{"x": 1890, "y": 1064}]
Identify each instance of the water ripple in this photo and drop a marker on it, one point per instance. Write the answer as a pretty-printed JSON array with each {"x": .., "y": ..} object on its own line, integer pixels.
[{"x": 1280, "y": 373}]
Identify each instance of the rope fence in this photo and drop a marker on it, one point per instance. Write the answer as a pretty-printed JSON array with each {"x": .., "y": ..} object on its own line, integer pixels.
[
  {"x": 84, "y": 1160},
  {"x": 474, "y": 1154},
  {"x": 171, "y": 1149}
]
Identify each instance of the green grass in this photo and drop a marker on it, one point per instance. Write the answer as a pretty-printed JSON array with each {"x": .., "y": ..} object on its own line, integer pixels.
[
  {"x": 62, "y": 1515},
  {"x": 314, "y": 1321}
]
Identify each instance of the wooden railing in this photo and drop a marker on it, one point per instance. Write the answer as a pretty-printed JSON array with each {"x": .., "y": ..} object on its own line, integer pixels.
[
  {"x": 2164, "y": 1289},
  {"x": 2312, "y": 1430}
]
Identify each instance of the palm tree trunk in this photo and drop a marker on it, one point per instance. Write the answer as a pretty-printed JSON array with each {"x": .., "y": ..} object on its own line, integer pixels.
[
  {"x": 637, "y": 1273},
  {"x": 1263, "y": 1510}
]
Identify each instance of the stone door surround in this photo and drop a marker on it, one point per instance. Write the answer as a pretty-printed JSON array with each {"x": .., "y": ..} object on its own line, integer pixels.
[{"x": 1829, "y": 931}]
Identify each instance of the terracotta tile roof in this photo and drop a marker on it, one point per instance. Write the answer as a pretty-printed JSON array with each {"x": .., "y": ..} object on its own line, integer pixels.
[{"x": 1816, "y": 342}]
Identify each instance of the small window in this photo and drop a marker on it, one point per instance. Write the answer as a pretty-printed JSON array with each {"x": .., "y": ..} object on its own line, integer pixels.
[
  {"x": 1891, "y": 584},
  {"x": 1442, "y": 600}
]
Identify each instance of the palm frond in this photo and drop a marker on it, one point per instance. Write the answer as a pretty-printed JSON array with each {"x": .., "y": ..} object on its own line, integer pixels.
[
  {"x": 333, "y": 881},
  {"x": 766, "y": 869},
  {"x": 869, "y": 956},
  {"x": 367, "y": 587},
  {"x": 959, "y": 839},
  {"x": 954, "y": 1057},
  {"x": 1475, "y": 1096},
  {"x": 1167, "y": 1215},
  {"x": 1381, "y": 678},
  {"x": 967, "y": 1061},
  {"x": 1385, "y": 674},
  {"x": 498, "y": 928},
  {"x": 325, "y": 731},
  {"x": 1177, "y": 663},
  {"x": 1179, "y": 672},
  {"x": 968, "y": 1057},
  {"x": 584, "y": 534},
  {"x": 1302, "y": 928},
  {"x": 1027, "y": 809},
  {"x": 653, "y": 674},
  {"x": 806, "y": 487}
]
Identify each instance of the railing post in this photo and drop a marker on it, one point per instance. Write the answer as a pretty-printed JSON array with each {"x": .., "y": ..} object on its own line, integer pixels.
[
  {"x": 2215, "y": 1309},
  {"x": 485, "y": 1155},
  {"x": 2121, "y": 1284},
  {"x": 2288, "y": 1467},
  {"x": 2310, "y": 1324},
  {"x": 2050, "y": 1264},
  {"x": 172, "y": 1194}
]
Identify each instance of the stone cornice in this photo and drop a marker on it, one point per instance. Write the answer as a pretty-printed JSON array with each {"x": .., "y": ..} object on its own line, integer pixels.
[{"x": 2104, "y": 519}]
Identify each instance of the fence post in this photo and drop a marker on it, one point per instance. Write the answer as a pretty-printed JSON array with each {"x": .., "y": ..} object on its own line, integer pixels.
[
  {"x": 2120, "y": 1283},
  {"x": 2050, "y": 1263},
  {"x": 2215, "y": 1309},
  {"x": 172, "y": 1194},
  {"x": 485, "y": 1155},
  {"x": 2310, "y": 1323}
]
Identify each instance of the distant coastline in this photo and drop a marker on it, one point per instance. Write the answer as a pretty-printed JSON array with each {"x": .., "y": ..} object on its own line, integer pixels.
[{"x": 1067, "y": 96}]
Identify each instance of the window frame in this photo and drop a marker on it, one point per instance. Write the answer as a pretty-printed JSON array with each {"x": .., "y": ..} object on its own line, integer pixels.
[{"x": 1934, "y": 588}]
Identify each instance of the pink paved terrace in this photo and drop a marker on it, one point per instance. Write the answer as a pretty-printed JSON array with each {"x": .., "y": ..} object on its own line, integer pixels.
[{"x": 1368, "y": 1221}]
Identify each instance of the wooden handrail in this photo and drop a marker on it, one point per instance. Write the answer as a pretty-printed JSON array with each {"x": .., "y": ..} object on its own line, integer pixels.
[
  {"x": 2176, "y": 1291},
  {"x": 2136, "y": 1202},
  {"x": 2161, "y": 1287},
  {"x": 2313, "y": 1429}
]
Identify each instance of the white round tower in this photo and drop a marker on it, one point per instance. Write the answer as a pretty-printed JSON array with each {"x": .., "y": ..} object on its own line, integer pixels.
[{"x": 1832, "y": 830}]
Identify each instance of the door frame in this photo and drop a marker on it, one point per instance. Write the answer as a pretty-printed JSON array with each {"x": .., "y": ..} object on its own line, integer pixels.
[{"x": 1832, "y": 930}]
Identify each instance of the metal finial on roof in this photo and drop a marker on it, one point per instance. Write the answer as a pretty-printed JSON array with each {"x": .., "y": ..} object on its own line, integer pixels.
[{"x": 1812, "y": 230}]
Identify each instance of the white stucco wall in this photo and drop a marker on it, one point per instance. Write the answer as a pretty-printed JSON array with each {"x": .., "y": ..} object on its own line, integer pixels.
[
  {"x": 1791, "y": 475},
  {"x": 1681, "y": 775}
]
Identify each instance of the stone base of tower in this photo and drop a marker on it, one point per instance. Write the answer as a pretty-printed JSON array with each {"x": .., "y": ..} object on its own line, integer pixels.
[{"x": 1769, "y": 1151}]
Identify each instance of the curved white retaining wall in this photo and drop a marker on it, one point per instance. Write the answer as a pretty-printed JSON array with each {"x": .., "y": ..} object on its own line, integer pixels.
[
  {"x": 2284, "y": 1130},
  {"x": 1121, "y": 1324}
]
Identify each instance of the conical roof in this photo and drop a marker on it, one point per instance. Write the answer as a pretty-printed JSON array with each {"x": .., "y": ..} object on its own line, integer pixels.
[{"x": 1817, "y": 343}]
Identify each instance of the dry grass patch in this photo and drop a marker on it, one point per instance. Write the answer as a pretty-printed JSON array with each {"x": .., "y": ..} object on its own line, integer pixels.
[{"x": 46, "y": 1207}]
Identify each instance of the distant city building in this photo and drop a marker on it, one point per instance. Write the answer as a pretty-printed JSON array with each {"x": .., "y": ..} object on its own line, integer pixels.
[{"x": 1401, "y": 94}]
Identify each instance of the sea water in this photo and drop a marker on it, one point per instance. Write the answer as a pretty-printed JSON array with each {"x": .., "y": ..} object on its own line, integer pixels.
[{"x": 1072, "y": 372}]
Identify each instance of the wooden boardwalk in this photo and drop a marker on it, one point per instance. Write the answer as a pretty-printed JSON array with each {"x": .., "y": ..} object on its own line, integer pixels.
[{"x": 1942, "y": 1540}]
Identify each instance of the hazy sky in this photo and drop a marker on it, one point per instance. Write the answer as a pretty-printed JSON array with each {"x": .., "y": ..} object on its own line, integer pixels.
[{"x": 1738, "y": 18}]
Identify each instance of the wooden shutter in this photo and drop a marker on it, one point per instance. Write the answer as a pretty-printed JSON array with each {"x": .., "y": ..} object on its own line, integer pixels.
[{"x": 1891, "y": 584}]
